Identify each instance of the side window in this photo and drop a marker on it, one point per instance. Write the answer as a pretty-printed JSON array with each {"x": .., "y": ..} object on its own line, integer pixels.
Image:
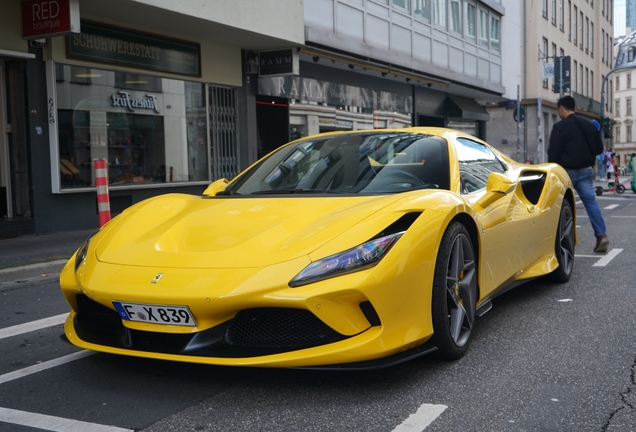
[{"x": 476, "y": 162}]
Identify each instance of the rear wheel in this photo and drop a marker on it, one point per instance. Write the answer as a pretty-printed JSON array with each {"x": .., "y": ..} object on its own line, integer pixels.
[
  {"x": 620, "y": 188},
  {"x": 454, "y": 293},
  {"x": 564, "y": 244},
  {"x": 599, "y": 190}
]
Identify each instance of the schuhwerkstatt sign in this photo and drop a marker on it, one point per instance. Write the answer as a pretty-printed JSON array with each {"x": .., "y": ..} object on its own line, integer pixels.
[{"x": 123, "y": 47}]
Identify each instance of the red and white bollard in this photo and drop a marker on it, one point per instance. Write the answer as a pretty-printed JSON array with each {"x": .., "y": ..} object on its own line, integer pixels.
[{"x": 101, "y": 181}]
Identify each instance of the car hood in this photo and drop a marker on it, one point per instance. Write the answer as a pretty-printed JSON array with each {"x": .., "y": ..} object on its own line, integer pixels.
[{"x": 188, "y": 231}]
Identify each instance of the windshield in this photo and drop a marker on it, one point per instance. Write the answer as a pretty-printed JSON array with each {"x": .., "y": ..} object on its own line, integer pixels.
[{"x": 356, "y": 163}]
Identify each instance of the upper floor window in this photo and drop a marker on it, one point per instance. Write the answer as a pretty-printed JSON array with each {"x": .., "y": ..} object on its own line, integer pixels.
[
  {"x": 422, "y": 8},
  {"x": 545, "y": 50},
  {"x": 618, "y": 134},
  {"x": 456, "y": 16},
  {"x": 439, "y": 12},
  {"x": 629, "y": 133},
  {"x": 554, "y": 12},
  {"x": 561, "y": 15},
  {"x": 569, "y": 19},
  {"x": 471, "y": 21},
  {"x": 628, "y": 108},
  {"x": 617, "y": 107},
  {"x": 581, "y": 35},
  {"x": 592, "y": 39},
  {"x": 618, "y": 83},
  {"x": 545, "y": 8},
  {"x": 629, "y": 80},
  {"x": 574, "y": 27},
  {"x": 483, "y": 27},
  {"x": 404, "y": 4},
  {"x": 494, "y": 33},
  {"x": 587, "y": 34}
]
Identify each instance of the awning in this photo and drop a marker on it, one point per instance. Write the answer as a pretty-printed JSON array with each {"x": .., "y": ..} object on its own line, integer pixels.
[{"x": 465, "y": 108}]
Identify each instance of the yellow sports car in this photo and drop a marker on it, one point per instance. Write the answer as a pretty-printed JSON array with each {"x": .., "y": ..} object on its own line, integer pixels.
[{"x": 351, "y": 250}]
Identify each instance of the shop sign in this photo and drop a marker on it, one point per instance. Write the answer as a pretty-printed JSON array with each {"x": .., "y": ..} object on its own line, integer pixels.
[
  {"x": 279, "y": 62},
  {"x": 113, "y": 45},
  {"x": 46, "y": 18},
  {"x": 123, "y": 99},
  {"x": 338, "y": 123},
  {"x": 301, "y": 88}
]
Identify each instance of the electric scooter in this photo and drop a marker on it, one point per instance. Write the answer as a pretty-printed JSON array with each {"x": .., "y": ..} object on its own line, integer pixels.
[
  {"x": 614, "y": 186},
  {"x": 633, "y": 165}
]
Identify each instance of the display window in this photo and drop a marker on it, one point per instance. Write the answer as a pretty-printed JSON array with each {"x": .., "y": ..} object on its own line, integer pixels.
[{"x": 149, "y": 129}]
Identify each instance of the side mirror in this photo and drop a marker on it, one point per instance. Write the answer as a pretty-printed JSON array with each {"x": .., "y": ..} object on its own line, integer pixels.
[
  {"x": 215, "y": 187},
  {"x": 497, "y": 187}
]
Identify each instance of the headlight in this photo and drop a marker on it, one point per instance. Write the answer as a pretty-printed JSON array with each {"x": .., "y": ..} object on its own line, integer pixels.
[
  {"x": 359, "y": 258},
  {"x": 83, "y": 251}
]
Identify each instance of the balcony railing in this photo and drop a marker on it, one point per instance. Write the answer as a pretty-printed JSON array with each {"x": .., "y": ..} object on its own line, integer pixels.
[{"x": 587, "y": 104}]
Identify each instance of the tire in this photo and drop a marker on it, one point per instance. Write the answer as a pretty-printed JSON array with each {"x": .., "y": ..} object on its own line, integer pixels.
[
  {"x": 620, "y": 188},
  {"x": 454, "y": 293},
  {"x": 599, "y": 190},
  {"x": 564, "y": 245}
]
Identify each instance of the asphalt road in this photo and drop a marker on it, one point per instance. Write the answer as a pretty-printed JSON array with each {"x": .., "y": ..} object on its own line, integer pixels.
[{"x": 547, "y": 357}]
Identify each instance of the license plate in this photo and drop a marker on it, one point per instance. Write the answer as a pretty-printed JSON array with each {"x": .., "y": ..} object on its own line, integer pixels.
[{"x": 155, "y": 314}]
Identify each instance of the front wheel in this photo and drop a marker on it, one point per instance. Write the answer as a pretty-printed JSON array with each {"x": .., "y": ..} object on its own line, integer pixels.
[
  {"x": 454, "y": 293},
  {"x": 564, "y": 244},
  {"x": 599, "y": 190},
  {"x": 620, "y": 188}
]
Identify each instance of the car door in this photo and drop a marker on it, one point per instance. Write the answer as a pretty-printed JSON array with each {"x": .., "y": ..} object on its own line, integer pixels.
[{"x": 507, "y": 241}]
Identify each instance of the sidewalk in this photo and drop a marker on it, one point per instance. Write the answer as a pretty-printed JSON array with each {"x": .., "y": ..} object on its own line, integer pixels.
[{"x": 27, "y": 255}]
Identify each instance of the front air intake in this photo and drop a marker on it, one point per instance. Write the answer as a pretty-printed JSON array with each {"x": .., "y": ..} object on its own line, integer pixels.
[{"x": 279, "y": 327}]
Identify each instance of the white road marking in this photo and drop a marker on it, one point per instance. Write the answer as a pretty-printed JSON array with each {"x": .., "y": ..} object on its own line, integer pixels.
[
  {"x": 623, "y": 217},
  {"x": 424, "y": 416},
  {"x": 21, "y": 373},
  {"x": 32, "y": 326},
  {"x": 611, "y": 206},
  {"x": 564, "y": 300},
  {"x": 52, "y": 423},
  {"x": 607, "y": 258},
  {"x": 33, "y": 266}
]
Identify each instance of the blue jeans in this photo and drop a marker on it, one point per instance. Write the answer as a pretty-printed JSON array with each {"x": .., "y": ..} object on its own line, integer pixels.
[
  {"x": 582, "y": 180},
  {"x": 601, "y": 170}
]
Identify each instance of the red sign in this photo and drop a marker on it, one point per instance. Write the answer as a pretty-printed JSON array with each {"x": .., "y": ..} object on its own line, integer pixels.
[{"x": 45, "y": 18}]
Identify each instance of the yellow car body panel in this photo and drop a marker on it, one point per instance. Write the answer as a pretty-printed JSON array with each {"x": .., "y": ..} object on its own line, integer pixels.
[{"x": 220, "y": 255}]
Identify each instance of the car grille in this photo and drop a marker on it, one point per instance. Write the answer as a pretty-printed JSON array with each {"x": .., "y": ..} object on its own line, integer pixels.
[
  {"x": 97, "y": 317},
  {"x": 279, "y": 327}
]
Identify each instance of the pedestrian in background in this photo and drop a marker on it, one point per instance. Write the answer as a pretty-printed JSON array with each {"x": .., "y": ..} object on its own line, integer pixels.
[
  {"x": 574, "y": 144},
  {"x": 601, "y": 166}
]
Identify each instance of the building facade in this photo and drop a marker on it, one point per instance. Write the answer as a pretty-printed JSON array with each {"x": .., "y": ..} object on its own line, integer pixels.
[
  {"x": 625, "y": 14},
  {"x": 154, "y": 87},
  {"x": 624, "y": 97},
  {"x": 577, "y": 31}
]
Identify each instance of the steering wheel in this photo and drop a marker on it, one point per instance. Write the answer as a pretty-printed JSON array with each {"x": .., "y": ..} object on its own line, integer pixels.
[
  {"x": 397, "y": 174},
  {"x": 400, "y": 178}
]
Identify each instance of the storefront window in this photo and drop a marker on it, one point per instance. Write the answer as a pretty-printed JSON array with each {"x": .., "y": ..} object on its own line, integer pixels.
[{"x": 149, "y": 129}]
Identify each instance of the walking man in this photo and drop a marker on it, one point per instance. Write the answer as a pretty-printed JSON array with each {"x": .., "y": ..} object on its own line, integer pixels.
[{"x": 574, "y": 144}]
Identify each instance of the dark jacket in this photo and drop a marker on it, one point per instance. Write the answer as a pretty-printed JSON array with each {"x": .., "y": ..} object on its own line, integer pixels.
[{"x": 574, "y": 142}]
